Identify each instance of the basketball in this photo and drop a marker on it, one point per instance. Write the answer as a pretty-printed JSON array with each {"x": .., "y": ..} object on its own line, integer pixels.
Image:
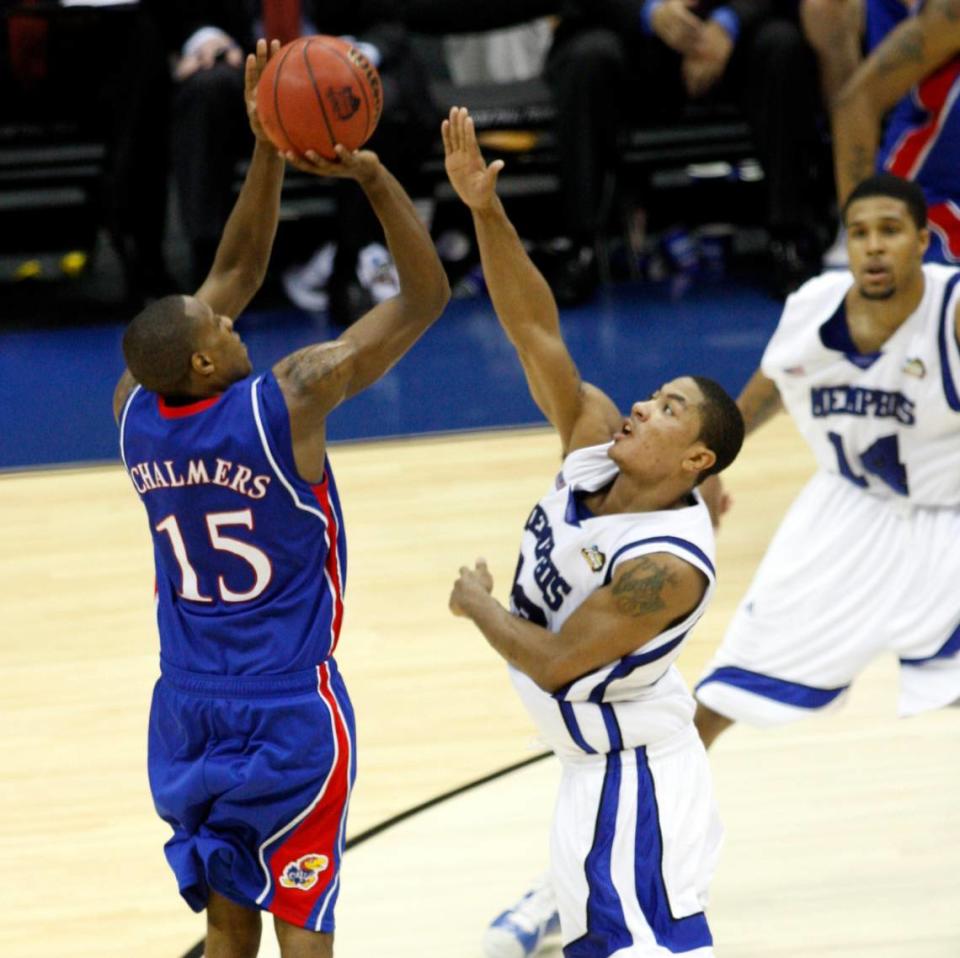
[{"x": 316, "y": 92}]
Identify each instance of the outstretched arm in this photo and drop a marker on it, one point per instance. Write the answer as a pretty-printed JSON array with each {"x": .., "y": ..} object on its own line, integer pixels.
[
  {"x": 524, "y": 304},
  {"x": 906, "y": 56},
  {"x": 316, "y": 379},
  {"x": 243, "y": 254},
  {"x": 244, "y": 251}
]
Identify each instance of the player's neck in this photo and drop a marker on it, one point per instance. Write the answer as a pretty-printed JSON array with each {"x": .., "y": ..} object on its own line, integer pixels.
[
  {"x": 629, "y": 495},
  {"x": 873, "y": 321}
]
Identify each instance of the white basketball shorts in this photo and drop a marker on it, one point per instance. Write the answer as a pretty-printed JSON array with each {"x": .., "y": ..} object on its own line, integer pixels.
[
  {"x": 847, "y": 577},
  {"x": 635, "y": 840}
]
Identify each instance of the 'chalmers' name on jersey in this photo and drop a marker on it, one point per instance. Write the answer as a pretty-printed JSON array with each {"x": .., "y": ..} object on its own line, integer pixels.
[
  {"x": 860, "y": 401},
  {"x": 149, "y": 476}
]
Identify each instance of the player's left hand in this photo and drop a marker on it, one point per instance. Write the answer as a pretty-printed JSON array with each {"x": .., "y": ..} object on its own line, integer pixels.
[
  {"x": 473, "y": 584},
  {"x": 253, "y": 68},
  {"x": 705, "y": 64}
]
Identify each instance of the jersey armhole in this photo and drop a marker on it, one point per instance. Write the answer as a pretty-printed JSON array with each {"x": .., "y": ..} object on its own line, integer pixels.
[{"x": 949, "y": 344}]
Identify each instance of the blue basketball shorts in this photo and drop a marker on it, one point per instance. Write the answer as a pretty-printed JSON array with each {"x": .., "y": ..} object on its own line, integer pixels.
[{"x": 253, "y": 774}]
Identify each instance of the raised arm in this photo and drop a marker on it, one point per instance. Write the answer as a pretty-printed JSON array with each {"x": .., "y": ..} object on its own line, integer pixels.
[
  {"x": 243, "y": 254},
  {"x": 524, "y": 304},
  {"x": 646, "y": 595},
  {"x": 906, "y": 56},
  {"x": 759, "y": 402},
  {"x": 244, "y": 251},
  {"x": 317, "y": 378}
]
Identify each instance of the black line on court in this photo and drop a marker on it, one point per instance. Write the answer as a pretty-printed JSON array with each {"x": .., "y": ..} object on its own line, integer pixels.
[{"x": 197, "y": 950}]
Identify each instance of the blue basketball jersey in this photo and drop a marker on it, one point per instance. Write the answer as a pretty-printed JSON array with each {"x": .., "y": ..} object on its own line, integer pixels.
[
  {"x": 251, "y": 559},
  {"x": 921, "y": 139}
]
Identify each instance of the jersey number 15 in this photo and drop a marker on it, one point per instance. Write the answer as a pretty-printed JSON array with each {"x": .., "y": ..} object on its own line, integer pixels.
[{"x": 254, "y": 557}]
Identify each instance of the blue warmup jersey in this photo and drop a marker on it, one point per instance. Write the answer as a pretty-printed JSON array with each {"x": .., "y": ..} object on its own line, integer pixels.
[
  {"x": 921, "y": 138},
  {"x": 251, "y": 560}
]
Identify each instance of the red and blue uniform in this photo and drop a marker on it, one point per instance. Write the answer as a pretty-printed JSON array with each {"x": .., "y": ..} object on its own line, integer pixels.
[
  {"x": 921, "y": 139},
  {"x": 252, "y": 740}
]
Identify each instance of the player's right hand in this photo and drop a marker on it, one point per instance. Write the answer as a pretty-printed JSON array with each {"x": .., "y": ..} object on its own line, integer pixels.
[
  {"x": 474, "y": 181},
  {"x": 677, "y": 25},
  {"x": 255, "y": 65},
  {"x": 361, "y": 165}
]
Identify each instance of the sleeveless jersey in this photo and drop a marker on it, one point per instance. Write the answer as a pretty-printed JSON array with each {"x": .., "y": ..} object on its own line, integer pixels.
[
  {"x": 250, "y": 559},
  {"x": 889, "y": 422},
  {"x": 921, "y": 139},
  {"x": 566, "y": 554}
]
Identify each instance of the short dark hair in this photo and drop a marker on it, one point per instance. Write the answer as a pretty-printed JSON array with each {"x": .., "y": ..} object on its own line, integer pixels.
[
  {"x": 158, "y": 343},
  {"x": 896, "y": 187},
  {"x": 721, "y": 425}
]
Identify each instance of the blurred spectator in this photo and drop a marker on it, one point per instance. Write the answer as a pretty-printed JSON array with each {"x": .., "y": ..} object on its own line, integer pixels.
[
  {"x": 644, "y": 60},
  {"x": 910, "y": 77},
  {"x": 206, "y": 39}
]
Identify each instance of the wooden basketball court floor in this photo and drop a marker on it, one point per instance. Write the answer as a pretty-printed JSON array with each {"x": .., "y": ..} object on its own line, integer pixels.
[{"x": 842, "y": 832}]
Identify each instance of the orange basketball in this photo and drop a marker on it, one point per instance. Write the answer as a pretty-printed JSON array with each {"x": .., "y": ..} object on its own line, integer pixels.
[{"x": 318, "y": 91}]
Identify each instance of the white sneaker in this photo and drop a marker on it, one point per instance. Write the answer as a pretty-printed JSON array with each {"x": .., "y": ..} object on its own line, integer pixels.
[
  {"x": 837, "y": 257},
  {"x": 305, "y": 285},
  {"x": 376, "y": 272},
  {"x": 520, "y": 931}
]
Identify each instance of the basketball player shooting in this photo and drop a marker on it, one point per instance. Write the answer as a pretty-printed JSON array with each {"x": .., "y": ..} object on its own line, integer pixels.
[
  {"x": 616, "y": 567},
  {"x": 252, "y": 751}
]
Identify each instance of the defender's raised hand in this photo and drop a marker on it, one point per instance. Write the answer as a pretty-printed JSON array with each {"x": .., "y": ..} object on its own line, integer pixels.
[
  {"x": 253, "y": 69},
  {"x": 474, "y": 181}
]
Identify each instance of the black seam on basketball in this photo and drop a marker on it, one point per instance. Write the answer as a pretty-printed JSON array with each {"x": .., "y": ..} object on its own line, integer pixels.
[
  {"x": 276, "y": 97},
  {"x": 319, "y": 95},
  {"x": 362, "y": 85},
  {"x": 197, "y": 950}
]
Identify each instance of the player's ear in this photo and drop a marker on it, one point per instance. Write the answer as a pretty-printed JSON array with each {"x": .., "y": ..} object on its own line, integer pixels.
[
  {"x": 201, "y": 363},
  {"x": 698, "y": 458},
  {"x": 924, "y": 241}
]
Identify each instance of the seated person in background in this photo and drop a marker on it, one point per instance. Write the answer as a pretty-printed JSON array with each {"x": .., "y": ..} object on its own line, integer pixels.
[{"x": 909, "y": 80}]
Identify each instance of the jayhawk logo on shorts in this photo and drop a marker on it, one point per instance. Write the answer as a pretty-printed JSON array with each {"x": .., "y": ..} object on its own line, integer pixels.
[{"x": 304, "y": 872}]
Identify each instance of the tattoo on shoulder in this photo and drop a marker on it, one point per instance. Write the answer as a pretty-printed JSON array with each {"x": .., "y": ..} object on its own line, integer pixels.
[
  {"x": 639, "y": 591},
  {"x": 306, "y": 367},
  {"x": 904, "y": 48}
]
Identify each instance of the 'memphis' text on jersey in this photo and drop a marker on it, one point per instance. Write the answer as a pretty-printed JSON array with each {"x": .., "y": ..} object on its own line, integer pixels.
[
  {"x": 149, "y": 476},
  {"x": 858, "y": 401},
  {"x": 552, "y": 585}
]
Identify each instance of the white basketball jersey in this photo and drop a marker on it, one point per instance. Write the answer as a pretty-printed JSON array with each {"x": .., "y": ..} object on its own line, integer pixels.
[
  {"x": 566, "y": 554},
  {"x": 889, "y": 422}
]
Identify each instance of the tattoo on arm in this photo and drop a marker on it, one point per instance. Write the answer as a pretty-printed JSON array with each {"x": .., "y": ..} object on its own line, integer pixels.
[
  {"x": 639, "y": 591},
  {"x": 903, "y": 48}
]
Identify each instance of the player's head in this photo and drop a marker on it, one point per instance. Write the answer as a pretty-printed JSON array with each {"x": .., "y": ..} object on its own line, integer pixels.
[
  {"x": 179, "y": 346},
  {"x": 886, "y": 221},
  {"x": 687, "y": 430}
]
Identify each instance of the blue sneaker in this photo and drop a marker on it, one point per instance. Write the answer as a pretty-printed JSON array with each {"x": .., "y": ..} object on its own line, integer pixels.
[{"x": 521, "y": 930}]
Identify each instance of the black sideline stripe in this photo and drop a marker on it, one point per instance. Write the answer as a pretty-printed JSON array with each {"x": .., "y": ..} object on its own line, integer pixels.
[{"x": 197, "y": 950}]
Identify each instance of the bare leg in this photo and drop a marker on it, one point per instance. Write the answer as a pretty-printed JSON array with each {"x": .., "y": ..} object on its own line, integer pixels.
[
  {"x": 710, "y": 724},
  {"x": 299, "y": 943},
  {"x": 833, "y": 29},
  {"x": 233, "y": 931}
]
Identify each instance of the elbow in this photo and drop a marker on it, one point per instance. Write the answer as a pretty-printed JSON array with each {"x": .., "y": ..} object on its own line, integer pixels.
[{"x": 441, "y": 294}]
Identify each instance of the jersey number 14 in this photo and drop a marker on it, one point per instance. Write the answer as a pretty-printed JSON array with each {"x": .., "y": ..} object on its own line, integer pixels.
[{"x": 882, "y": 460}]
